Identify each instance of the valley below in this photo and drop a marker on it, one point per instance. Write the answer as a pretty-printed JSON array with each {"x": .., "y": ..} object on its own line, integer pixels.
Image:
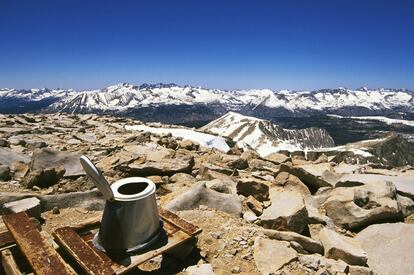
[{"x": 349, "y": 129}]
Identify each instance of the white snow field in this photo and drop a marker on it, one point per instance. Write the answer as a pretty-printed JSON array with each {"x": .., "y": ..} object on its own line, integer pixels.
[
  {"x": 206, "y": 140},
  {"x": 389, "y": 121}
]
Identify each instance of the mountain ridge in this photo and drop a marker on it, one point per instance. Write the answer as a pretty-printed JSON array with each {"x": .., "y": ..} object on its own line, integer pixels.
[
  {"x": 129, "y": 99},
  {"x": 266, "y": 137}
]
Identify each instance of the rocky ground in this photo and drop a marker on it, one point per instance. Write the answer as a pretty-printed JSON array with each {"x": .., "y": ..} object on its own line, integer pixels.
[{"x": 280, "y": 214}]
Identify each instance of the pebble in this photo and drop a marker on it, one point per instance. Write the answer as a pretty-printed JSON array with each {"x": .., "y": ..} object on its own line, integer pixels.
[
  {"x": 341, "y": 230},
  {"x": 233, "y": 251},
  {"x": 349, "y": 234},
  {"x": 36, "y": 188},
  {"x": 215, "y": 235},
  {"x": 156, "y": 260},
  {"x": 48, "y": 191},
  {"x": 298, "y": 247},
  {"x": 15, "y": 141},
  {"x": 55, "y": 210},
  {"x": 203, "y": 207},
  {"x": 242, "y": 243},
  {"x": 236, "y": 269},
  {"x": 247, "y": 256},
  {"x": 4, "y": 143},
  {"x": 266, "y": 204}
]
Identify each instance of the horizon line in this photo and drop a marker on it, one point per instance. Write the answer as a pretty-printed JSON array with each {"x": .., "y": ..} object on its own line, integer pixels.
[{"x": 207, "y": 88}]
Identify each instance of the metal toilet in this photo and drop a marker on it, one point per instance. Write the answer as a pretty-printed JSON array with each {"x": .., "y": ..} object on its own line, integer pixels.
[{"x": 130, "y": 220}]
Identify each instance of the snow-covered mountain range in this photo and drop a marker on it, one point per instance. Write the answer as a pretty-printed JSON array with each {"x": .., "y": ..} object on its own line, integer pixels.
[
  {"x": 266, "y": 137},
  {"x": 186, "y": 102}
]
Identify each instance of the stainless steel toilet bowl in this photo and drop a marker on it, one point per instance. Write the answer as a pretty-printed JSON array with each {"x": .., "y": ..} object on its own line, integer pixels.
[{"x": 130, "y": 221}]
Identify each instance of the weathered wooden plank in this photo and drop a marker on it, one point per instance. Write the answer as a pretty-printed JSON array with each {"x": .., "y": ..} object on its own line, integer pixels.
[
  {"x": 41, "y": 256},
  {"x": 9, "y": 264},
  {"x": 84, "y": 255},
  {"x": 179, "y": 222}
]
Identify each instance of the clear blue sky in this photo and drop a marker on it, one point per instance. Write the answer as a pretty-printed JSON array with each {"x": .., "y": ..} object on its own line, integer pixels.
[{"x": 218, "y": 44}]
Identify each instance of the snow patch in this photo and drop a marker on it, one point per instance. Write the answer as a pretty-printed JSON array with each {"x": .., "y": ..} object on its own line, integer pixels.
[
  {"x": 264, "y": 136},
  {"x": 389, "y": 121},
  {"x": 205, "y": 140}
]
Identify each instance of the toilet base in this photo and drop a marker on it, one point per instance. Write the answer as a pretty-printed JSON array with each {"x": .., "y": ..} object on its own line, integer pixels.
[{"x": 138, "y": 248}]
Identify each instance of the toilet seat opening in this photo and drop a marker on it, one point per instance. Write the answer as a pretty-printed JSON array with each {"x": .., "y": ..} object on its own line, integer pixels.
[{"x": 132, "y": 188}]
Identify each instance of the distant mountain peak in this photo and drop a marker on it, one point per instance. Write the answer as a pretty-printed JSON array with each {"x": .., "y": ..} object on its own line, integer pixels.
[
  {"x": 266, "y": 137},
  {"x": 119, "y": 86},
  {"x": 363, "y": 89},
  {"x": 157, "y": 85},
  {"x": 234, "y": 116}
]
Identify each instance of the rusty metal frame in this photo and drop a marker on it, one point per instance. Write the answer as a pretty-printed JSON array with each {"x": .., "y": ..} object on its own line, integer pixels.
[
  {"x": 41, "y": 256},
  {"x": 76, "y": 241},
  {"x": 84, "y": 254}
]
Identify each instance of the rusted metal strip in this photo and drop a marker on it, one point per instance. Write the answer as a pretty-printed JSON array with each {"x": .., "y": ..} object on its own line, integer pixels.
[
  {"x": 129, "y": 263},
  {"x": 6, "y": 239},
  {"x": 179, "y": 222},
  {"x": 177, "y": 229},
  {"x": 41, "y": 256},
  {"x": 88, "y": 238},
  {"x": 87, "y": 258},
  {"x": 9, "y": 264},
  {"x": 169, "y": 228}
]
